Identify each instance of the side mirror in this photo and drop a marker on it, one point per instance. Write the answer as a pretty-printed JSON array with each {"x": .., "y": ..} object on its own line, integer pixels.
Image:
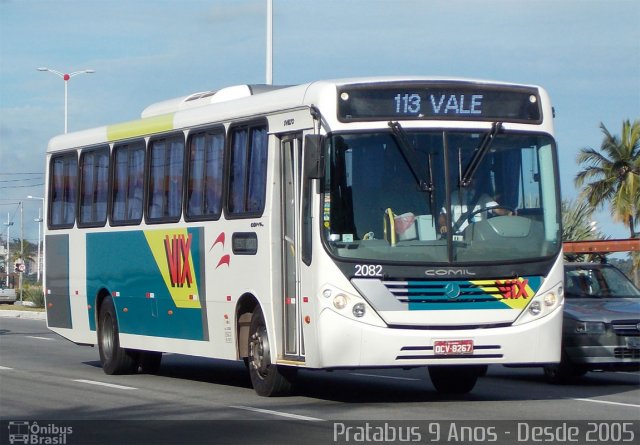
[{"x": 313, "y": 156}]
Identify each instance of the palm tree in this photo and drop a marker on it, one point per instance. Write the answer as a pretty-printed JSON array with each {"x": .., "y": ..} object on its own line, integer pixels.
[
  {"x": 612, "y": 174},
  {"x": 577, "y": 225}
]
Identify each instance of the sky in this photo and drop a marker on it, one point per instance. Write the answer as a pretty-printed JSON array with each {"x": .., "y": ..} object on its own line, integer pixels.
[{"x": 585, "y": 53}]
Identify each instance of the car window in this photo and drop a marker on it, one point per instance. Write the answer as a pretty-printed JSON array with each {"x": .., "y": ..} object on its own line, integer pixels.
[{"x": 598, "y": 282}]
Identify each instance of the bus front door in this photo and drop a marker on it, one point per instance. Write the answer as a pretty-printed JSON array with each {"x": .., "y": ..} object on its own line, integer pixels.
[{"x": 291, "y": 159}]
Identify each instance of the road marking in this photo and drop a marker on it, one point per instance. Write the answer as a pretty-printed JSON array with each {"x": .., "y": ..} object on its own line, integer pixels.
[
  {"x": 4, "y": 368},
  {"x": 608, "y": 403},
  {"x": 109, "y": 385},
  {"x": 385, "y": 376},
  {"x": 40, "y": 338},
  {"x": 278, "y": 413}
]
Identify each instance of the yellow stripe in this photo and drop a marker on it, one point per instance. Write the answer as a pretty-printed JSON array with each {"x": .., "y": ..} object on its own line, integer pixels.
[
  {"x": 140, "y": 127},
  {"x": 180, "y": 295}
]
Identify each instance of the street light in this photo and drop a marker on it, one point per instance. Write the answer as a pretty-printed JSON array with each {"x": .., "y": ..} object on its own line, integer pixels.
[
  {"x": 66, "y": 78},
  {"x": 39, "y": 220},
  {"x": 9, "y": 223}
]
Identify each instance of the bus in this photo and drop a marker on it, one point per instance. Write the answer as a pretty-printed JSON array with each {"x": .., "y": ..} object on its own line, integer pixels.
[{"x": 388, "y": 222}]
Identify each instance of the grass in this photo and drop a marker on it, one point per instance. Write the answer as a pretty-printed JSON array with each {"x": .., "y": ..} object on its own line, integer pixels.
[{"x": 19, "y": 307}]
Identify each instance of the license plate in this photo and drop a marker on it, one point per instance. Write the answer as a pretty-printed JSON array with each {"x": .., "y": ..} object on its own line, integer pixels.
[{"x": 452, "y": 347}]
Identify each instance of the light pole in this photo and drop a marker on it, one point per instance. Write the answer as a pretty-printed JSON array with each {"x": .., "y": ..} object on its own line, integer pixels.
[
  {"x": 66, "y": 78},
  {"x": 9, "y": 223},
  {"x": 39, "y": 220},
  {"x": 269, "y": 64}
]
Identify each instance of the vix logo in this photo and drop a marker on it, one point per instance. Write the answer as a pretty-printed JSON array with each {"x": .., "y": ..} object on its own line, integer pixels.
[
  {"x": 513, "y": 289},
  {"x": 177, "y": 255},
  {"x": 177, "y": 250}
]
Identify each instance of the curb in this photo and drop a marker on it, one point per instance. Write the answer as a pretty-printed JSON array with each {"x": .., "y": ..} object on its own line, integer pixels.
[{"x": 28, "y": 315}]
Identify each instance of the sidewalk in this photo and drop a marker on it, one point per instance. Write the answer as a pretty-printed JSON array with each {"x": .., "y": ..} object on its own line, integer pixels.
[{"x": 29, "y": 315}]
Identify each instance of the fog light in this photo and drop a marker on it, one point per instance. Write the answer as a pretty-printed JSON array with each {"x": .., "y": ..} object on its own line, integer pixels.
[
  {"x": 590, "y": 327},
  {"x": 550, "y": 299},
  {"x": 340, "y": 301},
  {"x": 359, "y": 310},
  {"x": 326, "y": 293},
  {"x": 534, "y": 308}
]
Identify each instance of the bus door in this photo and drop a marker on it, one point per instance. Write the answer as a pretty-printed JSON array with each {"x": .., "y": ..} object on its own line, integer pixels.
[{"x": 291, "y": 162}]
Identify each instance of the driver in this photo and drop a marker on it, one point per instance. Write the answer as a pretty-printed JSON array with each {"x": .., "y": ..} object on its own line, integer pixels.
[{"x": 485, "y": 205}]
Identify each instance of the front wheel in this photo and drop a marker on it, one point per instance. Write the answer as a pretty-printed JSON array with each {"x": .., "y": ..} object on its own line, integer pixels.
[
  {"x": 115, "y": 360},
  {"x": 455, "y": 379},
  {"x": 563, "y": 372},
  {"x": 267, "y": 378}
]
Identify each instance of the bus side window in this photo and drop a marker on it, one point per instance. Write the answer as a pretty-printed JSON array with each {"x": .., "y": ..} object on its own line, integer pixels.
[
  {"x": 128, "y": 187},
  {"x": 248, "y": 172},
  {"x": 94, "y": 181},
  {"x": 204, "y": 189},
  {"x": 63, "y": 189},
  {"x": 165, "y": 179}
]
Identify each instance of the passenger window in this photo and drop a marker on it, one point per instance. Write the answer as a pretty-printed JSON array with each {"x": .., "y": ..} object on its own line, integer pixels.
[
  {"x": 204, "y": 181},
  {"x": 94, "y": 187},
  {"x": 63, "y": 191},
  {"x": 248, "y": 172},
  {"x": 166, "y": 170},
  {"x": 128, "y": 183}
]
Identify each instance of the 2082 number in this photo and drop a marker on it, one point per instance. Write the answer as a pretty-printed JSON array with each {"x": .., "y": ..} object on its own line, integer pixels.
[{"x": 368, "y": 270}]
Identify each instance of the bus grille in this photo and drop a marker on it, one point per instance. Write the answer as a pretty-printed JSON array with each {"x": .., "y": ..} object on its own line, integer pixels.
[
  {"x": 626, "y": 353},
  {"x": 626, "y": 327},
  {"x": 440, "y": 291}
]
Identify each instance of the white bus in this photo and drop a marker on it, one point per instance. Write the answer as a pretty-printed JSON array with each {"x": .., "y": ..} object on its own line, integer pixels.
[{"x": 371, "y": 222}]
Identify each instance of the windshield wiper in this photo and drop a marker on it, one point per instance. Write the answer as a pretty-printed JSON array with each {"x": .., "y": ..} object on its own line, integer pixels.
[
  {"x": 479, "y": 155},
  {"x": 409, "y": 153}
]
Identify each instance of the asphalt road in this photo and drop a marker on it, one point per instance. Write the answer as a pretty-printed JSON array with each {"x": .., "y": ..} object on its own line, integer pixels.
[{"x": 45, "y": 377}]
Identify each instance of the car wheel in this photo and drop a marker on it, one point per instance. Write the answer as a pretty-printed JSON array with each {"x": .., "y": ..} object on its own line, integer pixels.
[{"x": 563, "y": 372}]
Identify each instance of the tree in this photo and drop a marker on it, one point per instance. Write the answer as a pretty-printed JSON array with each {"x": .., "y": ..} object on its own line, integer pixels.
[
  {"x": 577, "y": 225},
  {"x": 612, "y": 174}
]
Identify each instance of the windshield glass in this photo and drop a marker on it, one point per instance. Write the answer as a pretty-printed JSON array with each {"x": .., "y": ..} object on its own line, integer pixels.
[
  {"x": 605, "y": 282},
  {"x": 400, "y": 199}
]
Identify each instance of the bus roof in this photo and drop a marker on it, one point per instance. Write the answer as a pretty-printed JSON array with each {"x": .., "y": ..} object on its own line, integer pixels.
[{"x": 235, "y": 102}]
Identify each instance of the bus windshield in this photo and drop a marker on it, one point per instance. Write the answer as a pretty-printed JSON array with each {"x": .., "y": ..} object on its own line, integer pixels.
[{"x": 409, "y": 196}]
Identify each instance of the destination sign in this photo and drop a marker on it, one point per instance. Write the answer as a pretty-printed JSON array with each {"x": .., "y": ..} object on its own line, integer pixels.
[{"x": 454, "y": 101}]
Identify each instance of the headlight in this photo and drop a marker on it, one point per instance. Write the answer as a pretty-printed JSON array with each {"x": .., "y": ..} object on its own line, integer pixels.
[
  {"x": 358, "y": 310},
  {"x": 590, "y": 327},
  {"x": 550, "y": 298},
  {"x": 535, "y": 308},
  {"x": 340, "y": 301}
]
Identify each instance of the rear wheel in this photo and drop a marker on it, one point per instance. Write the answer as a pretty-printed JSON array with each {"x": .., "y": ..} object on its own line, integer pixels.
[
  {"x": 455, "y": 379},
  {"x": 267, "y": 378},
  {"x": 115, "y": 360},
  {"x": 149, "y": 361}
]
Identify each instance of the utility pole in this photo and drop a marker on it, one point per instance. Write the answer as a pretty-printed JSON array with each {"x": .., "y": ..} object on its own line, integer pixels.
[
  {"x": 21, "y": 245},
  {"x": 269, "y": 64},
  {"x": 8, "y": 224}
]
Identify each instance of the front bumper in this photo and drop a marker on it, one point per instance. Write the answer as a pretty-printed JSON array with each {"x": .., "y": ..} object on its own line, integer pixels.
[{"x": 343, "y": 342}]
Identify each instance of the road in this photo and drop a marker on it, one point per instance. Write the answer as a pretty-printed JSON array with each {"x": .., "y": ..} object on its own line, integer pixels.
[{"x": 43, "y": 376}]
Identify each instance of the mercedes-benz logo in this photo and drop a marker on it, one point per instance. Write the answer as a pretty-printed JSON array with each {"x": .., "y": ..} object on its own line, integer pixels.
[{"x": 452, "y": 291}]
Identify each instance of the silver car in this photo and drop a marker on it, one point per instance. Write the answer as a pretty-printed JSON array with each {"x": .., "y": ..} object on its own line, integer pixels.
[
  {"x": 601, "y": 329},
  {"x": 7, "y": 295}
]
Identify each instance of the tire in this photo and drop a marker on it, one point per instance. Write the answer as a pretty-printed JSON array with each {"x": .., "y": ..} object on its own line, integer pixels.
[
  {"x": 115, "y": 360},
  {"x": 452, "y": 379},
  {"x": 267, "y": 378},
  {"x": 149, "y": 362},
  {"x": 563, "y": 372}
]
